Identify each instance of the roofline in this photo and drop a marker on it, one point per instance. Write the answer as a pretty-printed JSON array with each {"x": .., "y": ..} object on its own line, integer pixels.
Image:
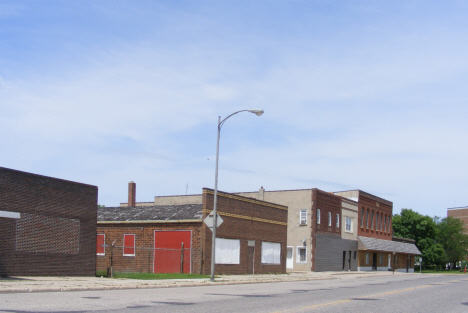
[
  {"x": 49, "y": 177},
  {"x": 283, "y": 190},
  {"x": 369, "y": 195},
  {"x": 150, "y": 221},
  {"x": 458, "y": 208},
  {"x": 245, "y": 199}
]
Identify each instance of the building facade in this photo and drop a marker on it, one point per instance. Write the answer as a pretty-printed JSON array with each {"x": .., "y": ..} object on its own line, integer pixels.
[
  {"x": 460, "y": 213},
  {"x": 324, "y": 229},
  {"x": 149, "y": 238},
  {"x": 48, "y": 225},
  {"x": 378, "y": 249}
]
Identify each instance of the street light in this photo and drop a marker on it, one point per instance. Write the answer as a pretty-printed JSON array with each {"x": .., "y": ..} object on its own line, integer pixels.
[{"x": 213, "y": 240}]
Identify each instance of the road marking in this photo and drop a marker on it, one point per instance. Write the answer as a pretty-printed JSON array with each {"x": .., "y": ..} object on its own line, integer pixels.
[{"x": 364, "y": 297}]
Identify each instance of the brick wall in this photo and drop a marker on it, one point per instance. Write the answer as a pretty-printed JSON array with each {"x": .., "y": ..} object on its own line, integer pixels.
[
  {"x": 143, "y": 261},
  {"x": 237, "y": 225},
  {"x": 326, "y": 202},
  {"x": 375, "y": 208},
  {"x": 56, "y": 234}
]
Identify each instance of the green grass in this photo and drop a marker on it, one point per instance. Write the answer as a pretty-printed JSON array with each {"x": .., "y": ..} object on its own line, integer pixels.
[
  {"x": 433, "y": 271},
  {"x": 152, "y": 275}
]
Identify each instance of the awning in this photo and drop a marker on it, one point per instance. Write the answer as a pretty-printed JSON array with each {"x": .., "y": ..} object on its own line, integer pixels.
[{"x": 374, "y": 244}]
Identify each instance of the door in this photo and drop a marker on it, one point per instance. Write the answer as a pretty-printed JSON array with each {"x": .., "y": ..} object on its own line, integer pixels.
[
  {"x": 349, "y": 261},
  {"x": 168, "y": 253},
  {"x": 289, "y": 258},
  {"x": 344, "y": 259},
  {"x": 250, "y": 265},
  {"x": 374, "y": 261}
]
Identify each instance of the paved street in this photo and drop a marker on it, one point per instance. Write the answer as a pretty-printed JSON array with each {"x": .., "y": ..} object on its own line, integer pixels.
[{"x": 395, "y": 293}]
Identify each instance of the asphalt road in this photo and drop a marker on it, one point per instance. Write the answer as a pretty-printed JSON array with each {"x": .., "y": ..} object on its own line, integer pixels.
[{"x": 398, "y": 293}]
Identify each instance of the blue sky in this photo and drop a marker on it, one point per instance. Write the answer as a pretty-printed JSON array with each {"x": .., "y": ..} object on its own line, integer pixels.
[{"x": 366, "y": 95}]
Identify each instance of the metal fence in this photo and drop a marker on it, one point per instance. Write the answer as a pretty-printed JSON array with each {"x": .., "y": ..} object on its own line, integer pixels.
[{"x": 150, "y": 260}]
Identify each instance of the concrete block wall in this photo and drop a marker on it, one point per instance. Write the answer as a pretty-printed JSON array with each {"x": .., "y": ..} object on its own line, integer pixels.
[{"x": 56, "y": 234}]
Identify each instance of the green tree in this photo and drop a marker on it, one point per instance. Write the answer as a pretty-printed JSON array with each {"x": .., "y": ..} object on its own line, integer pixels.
[
  {"x": 413, "y": 225},
  {"x": 432, "y": 253},
  {"x": 450, "y": 234}
]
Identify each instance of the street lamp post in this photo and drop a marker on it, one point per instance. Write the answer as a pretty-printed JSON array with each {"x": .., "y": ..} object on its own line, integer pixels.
[{"x": 213, "y": 240}]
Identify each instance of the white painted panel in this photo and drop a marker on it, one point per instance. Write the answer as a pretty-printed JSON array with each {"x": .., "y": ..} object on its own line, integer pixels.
[
  {"x": 227, "y": 251},
  {"x": 9, "y": 214},
  {"x": 271, "y": 253}
]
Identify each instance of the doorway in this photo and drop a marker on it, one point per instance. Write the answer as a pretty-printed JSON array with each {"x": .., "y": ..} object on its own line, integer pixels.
[
  {"x": 250, "y": 265},
  {"x": 374, "y": 261},
  {"x": 289, "y": 258},
  {"x": 349, "y": 261}
]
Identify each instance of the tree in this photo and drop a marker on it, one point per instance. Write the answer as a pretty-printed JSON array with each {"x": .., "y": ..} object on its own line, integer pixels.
[
  {"x": 412, "y": 225},
  {"x": 450, "y": 234},
  {"x": 432, "y": 253}
]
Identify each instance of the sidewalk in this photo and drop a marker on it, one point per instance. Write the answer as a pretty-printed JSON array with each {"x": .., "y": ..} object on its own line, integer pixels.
[{"x": 42, "y": 284}]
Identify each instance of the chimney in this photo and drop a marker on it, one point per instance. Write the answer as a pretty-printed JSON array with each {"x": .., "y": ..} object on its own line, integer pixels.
[
  {"x": 131, "y": 194},
  {"x": 261, "y": 194}
]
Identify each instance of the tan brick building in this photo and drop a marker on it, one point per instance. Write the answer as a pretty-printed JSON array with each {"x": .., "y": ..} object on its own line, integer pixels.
[{"x": 461, "y": 213}]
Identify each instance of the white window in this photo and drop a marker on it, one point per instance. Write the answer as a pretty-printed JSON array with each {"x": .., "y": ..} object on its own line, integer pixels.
[
  {"x": 349, "y": 224},
  {"x": 367, "y": 257},
  {"x": 381, "y": 258},
  {"x": 318, "y": 216},
  {"x": 329, "y": 219},
  {"x": 303, "y": 217},
  {"x": 271, "y": 252},
  {"x": 227, "y": 251},
  {"x": 301, "y": 255},
  {"x": 362, "y": 217},
  {"x": 338, "y": 220}
]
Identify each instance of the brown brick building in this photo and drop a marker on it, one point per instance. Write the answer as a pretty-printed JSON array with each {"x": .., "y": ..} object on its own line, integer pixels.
[
  {"x": 148, "y": 238},
  {"x": 48, "y": 225},
  {"x": 378, "y": 249}
]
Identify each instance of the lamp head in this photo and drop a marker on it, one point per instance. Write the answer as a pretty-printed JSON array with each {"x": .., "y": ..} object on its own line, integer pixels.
[{"x": 258, "y": 112}]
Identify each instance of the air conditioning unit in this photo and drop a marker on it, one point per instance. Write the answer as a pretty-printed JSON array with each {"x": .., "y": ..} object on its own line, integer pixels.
[{"x": 303, "y": 222}]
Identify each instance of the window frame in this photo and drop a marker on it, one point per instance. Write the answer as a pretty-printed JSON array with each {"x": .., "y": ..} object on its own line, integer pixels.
[
  {"x": 329, "y": 219},
  {"x": 128, "y": 248},
  {"x": 362, "y": 217},
  {"x": 337, "y": 220},
  {"x": 103, "y": 243},
  {"x": 298, "y": 258},
  {"x": 367, "y": 218},
  {"x": 318, "y": 216},
  {"x": 350, "y": 230},
  {"x": 372, "y": 220},
  {"x": 302, "y": 220}
]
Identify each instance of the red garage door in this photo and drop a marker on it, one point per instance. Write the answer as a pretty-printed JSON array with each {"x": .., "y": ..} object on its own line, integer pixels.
[{"x": 167, "y": 253}]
